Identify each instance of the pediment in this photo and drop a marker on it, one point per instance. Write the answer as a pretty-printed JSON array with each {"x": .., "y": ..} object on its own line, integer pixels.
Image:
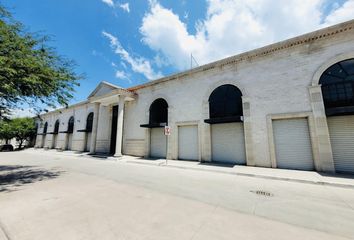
[{"x": 102, "y": 89}]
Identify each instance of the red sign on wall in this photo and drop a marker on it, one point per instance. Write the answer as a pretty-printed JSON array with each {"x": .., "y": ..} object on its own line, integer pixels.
[{"x": 167, "y": 130}]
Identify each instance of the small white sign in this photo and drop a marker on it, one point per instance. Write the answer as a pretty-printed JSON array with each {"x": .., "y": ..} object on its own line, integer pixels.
[{"x": 167, "y": 130}]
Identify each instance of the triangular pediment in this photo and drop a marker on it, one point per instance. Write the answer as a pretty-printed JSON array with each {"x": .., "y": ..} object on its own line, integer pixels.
[{"x": 102, "y": 89}]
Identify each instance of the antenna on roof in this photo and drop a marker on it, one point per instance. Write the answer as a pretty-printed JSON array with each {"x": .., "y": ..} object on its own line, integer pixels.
[{"x": 193, "y": 60}]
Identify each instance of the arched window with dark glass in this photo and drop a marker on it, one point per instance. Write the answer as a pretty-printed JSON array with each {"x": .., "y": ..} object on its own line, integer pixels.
[
  {"x": 158, "y": 114},
  {"x": 45, "y": 128},
  {"x": 89, "y": 122},
  {"x": 71, "y": 125},
  {"x": 225, "y": 105},
  {"x": 337, "y": 84},
  {"x": 56, "y": 127}
]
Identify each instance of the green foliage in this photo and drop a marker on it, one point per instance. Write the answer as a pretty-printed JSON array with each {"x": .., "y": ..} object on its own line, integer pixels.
[
  {"x": 23, "y": 129},
  {"x": 6, "y": 130},
  {"x": 31, "y": 72}
]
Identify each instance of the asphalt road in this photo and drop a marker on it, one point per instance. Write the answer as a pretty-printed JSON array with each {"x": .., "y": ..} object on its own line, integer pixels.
[{"x": 53, "y": 196}]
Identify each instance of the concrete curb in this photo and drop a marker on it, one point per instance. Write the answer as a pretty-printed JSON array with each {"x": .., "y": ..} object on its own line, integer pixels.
[
  {"x": 162, "y": 163},
  {"x": 313, "y": 182}
]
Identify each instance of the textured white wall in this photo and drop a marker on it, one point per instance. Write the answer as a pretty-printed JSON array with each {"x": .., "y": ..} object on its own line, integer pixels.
[
  {"x": 79, "y": 112},
  {"x": 276, "y": 83},
  {"x": 104, "y": 129}
]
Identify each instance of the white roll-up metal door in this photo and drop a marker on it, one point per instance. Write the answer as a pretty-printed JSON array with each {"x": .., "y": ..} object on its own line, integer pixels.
[
  {"x": 44, "y": 139},
  {"x": 70, "y": 141},
  {"x": 158, "y": 143},
  {"x": 292, "y": 141},
  {"x": 55, "y": 140},
  {"x": 341, "y": 132},
  {"x": 88, "y": 141},
  {"x": 188, "y": 143},
  {"x": 228, "y": 143}
]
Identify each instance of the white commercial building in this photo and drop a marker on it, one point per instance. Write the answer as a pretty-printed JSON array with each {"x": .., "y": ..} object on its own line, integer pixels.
[{"x": 287, "y": 105}]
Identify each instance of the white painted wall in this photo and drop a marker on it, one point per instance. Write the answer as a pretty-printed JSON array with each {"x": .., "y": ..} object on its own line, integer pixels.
[
  {"x": 276, "y": 83},
  {"x": 79, "y": 112},
  {"x": 273, "y": 83},
  {"x": 104, "y": 129}
]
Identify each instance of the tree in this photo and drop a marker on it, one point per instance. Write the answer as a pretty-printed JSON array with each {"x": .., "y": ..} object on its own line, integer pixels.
[
  {"x": 31, "y": 72},
  {"x": 24, "y": 129},
  {"x": 6, "y": 131}
]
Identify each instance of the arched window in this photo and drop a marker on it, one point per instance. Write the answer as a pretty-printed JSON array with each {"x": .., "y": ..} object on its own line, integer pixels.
[
  {"x": 45, "y": 128},
  {"x": 225, "y": 104},
  {"x": 89, "y": 122},
  {"x": 56, "y": 127},
  {"x": 71, "y": 125},
  {"x": 338, "y": 88},
  {"x": 158, "y": 114}
]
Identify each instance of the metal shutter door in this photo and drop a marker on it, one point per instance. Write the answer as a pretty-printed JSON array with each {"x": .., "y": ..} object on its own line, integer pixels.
[
  {"x": 228, "y": 143},
  {"x": 293, "y": 144},
  {"x": 188, "y": 143},
  {"x": 88, "y": 141},
  {"x": 341, "y": 132},
  {"x": 70, "y": 141},
  {"x": 44, "y": 139},
  {"x": 157, "y": 143},
  {"x": 55, "y": 140}
]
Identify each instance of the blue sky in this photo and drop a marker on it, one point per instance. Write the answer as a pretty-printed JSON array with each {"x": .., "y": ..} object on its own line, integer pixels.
[{"x": 132, "y": 42}]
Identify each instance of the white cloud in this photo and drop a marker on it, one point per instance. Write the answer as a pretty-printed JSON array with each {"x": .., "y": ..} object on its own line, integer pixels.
[
  {"x": 124, "y": 65},
  {"x": 109, "y": 2},
  {"x": 138, "y": 64},
  {"x": 125, "y": 7},
  {"x": 23, "y": 112},
  {"x": 341, "y": 14},
  {"x": 121, "y": 74},
  {"x": 232, "y": 26}
]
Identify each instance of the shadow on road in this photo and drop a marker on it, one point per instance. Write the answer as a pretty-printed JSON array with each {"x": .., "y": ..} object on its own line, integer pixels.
[{"x": 14, "y": 176}]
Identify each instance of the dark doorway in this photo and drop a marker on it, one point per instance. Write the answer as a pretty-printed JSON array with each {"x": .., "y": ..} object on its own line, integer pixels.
[{"x": 114, "y": 130}]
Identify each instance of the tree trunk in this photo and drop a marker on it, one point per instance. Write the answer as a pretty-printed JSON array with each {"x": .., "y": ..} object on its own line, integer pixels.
[{"x": 20, "y": 145}]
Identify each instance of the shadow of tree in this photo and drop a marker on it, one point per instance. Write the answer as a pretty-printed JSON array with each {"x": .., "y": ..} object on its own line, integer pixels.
[{"x": 14, "y": 176}]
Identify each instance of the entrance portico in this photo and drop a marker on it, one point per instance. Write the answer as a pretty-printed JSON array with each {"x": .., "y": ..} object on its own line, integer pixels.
[{"x": 109, "y": 95}]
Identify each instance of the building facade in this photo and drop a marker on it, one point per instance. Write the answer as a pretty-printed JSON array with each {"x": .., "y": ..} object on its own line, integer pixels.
[{"x": 287, "y": 105}]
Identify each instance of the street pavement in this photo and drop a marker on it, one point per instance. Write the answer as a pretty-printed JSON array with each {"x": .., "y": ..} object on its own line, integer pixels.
[{"x": 47, "y": 195}]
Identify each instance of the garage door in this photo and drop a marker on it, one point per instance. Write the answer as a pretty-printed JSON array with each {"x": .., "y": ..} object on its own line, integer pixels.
[
  {"x": 341, "y": 132},
  {"x": 44, "y": 139},
  {"x": 157, "y": 143},
  {"x": 188, "y": 143},
  {"x": 70, "y": 141},
  {"x": 88, "y": 141},
  {"x": 293, "y": 144},
  {"x": 228, "y": 143},
  {"x": 55, "y": 140}
]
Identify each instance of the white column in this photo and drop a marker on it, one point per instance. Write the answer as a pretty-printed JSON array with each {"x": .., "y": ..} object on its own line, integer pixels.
[
  {"x": 120, "y": 127},
  {"x": 206, "y": 134},
  {"x": 96, "y": 113},
  {"x": 323, "y": 147},
  {"x": 247, "y": 127}
]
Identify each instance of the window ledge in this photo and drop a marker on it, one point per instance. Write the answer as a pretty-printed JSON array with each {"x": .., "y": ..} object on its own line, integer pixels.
[
  {"x": 340, "y": 111},
  {"x": 153, "y": 125},
  {"x": 224, "y": 120}
]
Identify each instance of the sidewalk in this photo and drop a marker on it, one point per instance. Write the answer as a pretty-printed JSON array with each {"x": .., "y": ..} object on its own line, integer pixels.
[{"x": 310, "y": 177}]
